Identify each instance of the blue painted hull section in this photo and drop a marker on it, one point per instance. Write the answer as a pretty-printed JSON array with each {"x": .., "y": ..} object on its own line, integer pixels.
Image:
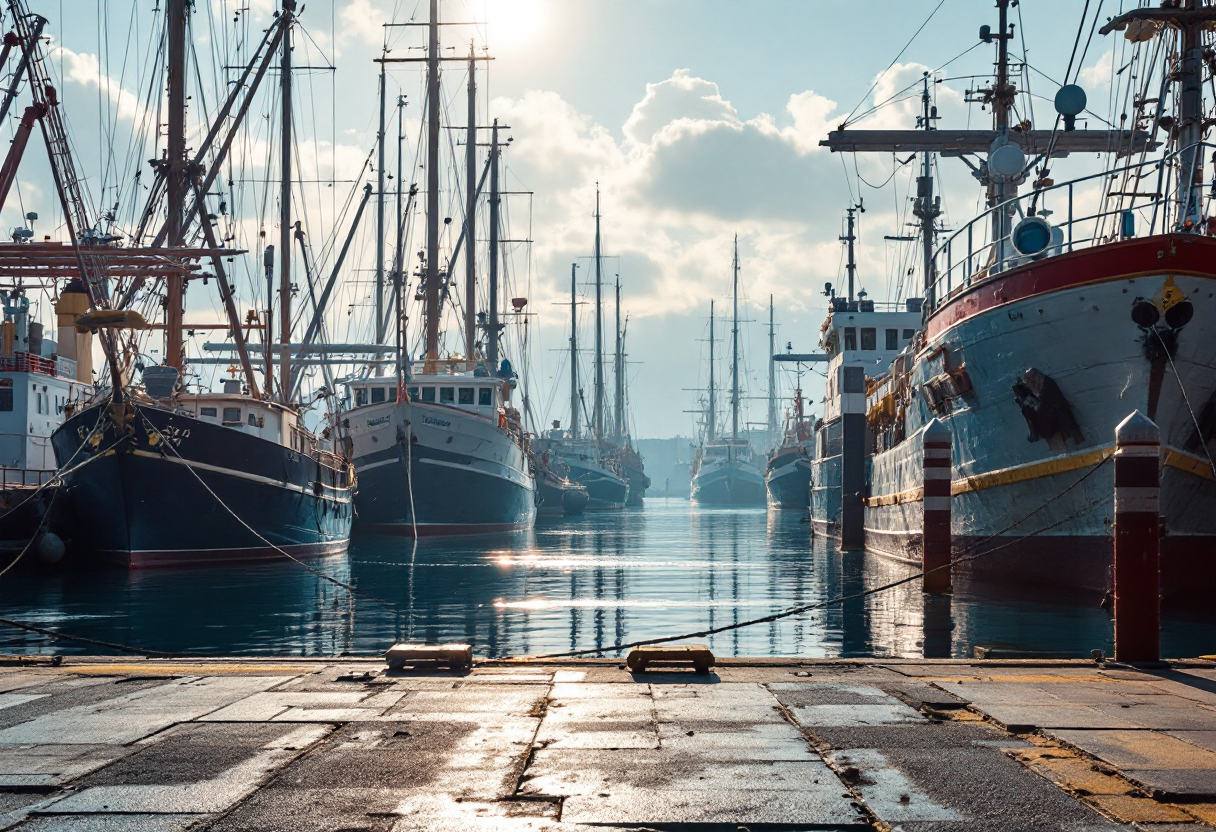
[
  {"x": 138, "y": 505},
  {"x": 789, "y": 486}
]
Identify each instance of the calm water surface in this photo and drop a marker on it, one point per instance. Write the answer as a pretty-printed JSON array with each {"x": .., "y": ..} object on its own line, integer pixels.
[{"x": 569, "y": 584}]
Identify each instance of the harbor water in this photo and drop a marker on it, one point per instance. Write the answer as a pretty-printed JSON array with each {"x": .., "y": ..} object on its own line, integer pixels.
[{"x": 584, "y": 583}]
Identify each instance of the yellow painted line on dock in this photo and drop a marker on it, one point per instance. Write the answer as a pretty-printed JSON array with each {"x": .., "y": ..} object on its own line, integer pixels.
[{"x": 187, "y": 669}]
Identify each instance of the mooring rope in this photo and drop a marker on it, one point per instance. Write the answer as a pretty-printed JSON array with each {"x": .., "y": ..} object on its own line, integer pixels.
[{"x": 799, "y": 610}]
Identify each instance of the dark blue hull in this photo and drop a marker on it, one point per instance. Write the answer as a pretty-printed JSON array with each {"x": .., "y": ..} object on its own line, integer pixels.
[
  {"x": 444, "y": 491},
  {"x": 139, "y": 504},
  {"x": 605, "y": 489},
  {"x": 789, "y": 485},
  {"x": 560, "y": 498},
  {"x": 728, "y": 488}
]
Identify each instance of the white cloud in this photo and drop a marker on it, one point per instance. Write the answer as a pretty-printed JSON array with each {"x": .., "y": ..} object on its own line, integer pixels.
[{"x": 1097, "y": 75}]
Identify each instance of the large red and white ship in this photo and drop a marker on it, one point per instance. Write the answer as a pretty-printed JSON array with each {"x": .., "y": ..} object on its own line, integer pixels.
[{"x": 1052, "y": 316}]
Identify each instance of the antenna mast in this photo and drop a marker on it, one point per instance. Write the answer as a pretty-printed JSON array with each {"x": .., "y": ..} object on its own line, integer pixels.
[
  {"x": 851, "y": 238},
  {"x": 492, "y": 319},
  {"x": 927, "y": 207}
]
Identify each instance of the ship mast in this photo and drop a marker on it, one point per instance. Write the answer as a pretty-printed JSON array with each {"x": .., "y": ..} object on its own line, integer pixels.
[
  {"x": 380, "y": 137},
  {"x": 492, "y": 319},
  {"x": 470, "y": 217},
  {"x": 285, "y": 150},
  {"x": 176, "y": 184},
  {"x": 772, "y": 371},
  {"x": 598, "y": 416},
  {"x": 432, "y": 185},
  {"x": 734, "y": 358},
  {"x": 851, "y": 238},
  {"x": 712, "y": 426},
  {"x": 618, "y": 408},
  {"x": 574, "y": 431},
  {"x": 927, "y": 207}
]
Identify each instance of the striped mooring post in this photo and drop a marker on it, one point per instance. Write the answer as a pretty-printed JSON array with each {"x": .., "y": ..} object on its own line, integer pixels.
[
  {"x": 1137, "y": 540},
  {"x": 935, "y": 536}
]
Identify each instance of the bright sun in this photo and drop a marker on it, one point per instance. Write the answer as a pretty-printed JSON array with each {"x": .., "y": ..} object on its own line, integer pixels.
[{"x": 514, "y": 22}]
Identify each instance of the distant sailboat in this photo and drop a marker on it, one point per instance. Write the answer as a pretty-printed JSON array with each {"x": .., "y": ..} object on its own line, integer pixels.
[{"x": 724, "y": 471}]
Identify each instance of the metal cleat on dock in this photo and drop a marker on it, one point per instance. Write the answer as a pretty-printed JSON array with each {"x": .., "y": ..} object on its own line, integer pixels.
[
  {"x": 454, "y": 656},
  {"x": 698, "y": 655}
]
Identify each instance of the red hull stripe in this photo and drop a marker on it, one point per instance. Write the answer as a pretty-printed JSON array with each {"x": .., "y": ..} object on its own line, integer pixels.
[{"x": 1188, "y": 254}]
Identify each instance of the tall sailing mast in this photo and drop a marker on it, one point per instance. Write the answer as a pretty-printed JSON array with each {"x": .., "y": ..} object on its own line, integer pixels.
[
  {"x": 712, "y": 422},
  {"x": 734, "y": 351},
  {"x": 176, "y": 183},
  {"x": 598, "y": 416},
  {"x": 470, "y": 217},
  {"x": 285, "y": 150},
  {"x": 574, "y": 429},
  {"x": 772, "y": 371},
  {"x": 618, "y": 432},
  {"x": 380, "y": 172},
  {"x": 432, "y": 185},
  {"x": 492, "y": 325}
]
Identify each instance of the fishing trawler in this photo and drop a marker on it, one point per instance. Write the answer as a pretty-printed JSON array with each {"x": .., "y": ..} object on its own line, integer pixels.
[
  {"x": 439, "y": 448},
  {"x": 725, "y": 469},
  {"x": 154, "y": 474},
  {"x": 788, "y": 473},
  {"x": 1048, "y": 319}
]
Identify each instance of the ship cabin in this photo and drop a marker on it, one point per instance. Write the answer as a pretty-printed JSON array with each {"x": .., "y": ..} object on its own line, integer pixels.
[
  {"x": 865, "y": 334},
  {"x": 37, "y": 387},
  {"x": 452, "y": 386},
  {"x": 725, "y": 450},
  {"x": 257, "y": 417}
]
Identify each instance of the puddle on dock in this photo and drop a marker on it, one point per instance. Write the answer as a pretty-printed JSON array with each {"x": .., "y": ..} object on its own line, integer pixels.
[{"x": 569, "y": 584}]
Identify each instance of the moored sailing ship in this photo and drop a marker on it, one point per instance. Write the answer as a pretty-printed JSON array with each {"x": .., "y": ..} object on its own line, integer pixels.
[
  {"x": 725, "y": 469},
  {"x": 439, "y": 448},
  {"x": 156, "y": 474}
]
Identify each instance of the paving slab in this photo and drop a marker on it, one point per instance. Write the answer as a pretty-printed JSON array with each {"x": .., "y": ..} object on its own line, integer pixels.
[{"x": 109, "y": 823}]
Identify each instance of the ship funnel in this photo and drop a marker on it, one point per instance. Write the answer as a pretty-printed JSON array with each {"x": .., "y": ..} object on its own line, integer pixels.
[{"x": 72, "y": 304}]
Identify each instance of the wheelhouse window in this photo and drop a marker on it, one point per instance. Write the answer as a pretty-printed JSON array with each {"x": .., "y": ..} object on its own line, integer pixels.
[
  {"x": 232, "y": 415},
  {"x": 392, "y": 394},
  {"x": 413, "y": 393},
  {"x": 254, "y": 421},
  {"x": 377, "y": 395},
  {"x": 360, "y": 396},
  {"x": 850, "y": 338},
  {"x": 210, "y": 411},
  {"x": 869, "y": 338},
  {"x": 466, "y": 395},
  {"x": 447, "y": 395},
  {"x": 428, "y": 394},
  {"x": 485, "y": 396},
  {"x": 908, "y": 333},
  {"x": 892, "y": 339},
  {"x": 6, "y": 394}
]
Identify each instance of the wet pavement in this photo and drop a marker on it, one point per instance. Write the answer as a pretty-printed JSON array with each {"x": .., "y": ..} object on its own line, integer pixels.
[{"x": 97, "y": 744}]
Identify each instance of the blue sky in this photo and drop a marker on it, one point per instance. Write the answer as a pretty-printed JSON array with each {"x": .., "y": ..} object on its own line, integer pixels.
[{"x": 700, "y": 119}]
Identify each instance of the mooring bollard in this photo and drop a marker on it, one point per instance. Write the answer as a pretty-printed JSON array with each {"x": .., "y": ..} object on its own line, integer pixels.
[
  {"x": 935, "y": 536},
  {"x": 1137, "y": 540}
]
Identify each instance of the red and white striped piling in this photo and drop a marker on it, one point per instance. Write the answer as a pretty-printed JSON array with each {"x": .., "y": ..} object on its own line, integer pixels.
[
  {"x": 935, "y": 537},
  {"x": 1137, "y": 540}
]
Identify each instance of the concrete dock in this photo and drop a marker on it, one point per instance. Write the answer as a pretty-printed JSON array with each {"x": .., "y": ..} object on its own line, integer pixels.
[{"x": 342, "y": 744}]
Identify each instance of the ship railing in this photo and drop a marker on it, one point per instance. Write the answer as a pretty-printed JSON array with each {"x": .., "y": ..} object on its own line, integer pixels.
[
  {"x": 975, "y": 251},
  {"x": 24, "y": 362},
  {"x": 31, "y": 477}
]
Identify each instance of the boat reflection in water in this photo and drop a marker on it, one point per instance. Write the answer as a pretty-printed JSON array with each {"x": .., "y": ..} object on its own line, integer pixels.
[{"x": 571, "y": 583}]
